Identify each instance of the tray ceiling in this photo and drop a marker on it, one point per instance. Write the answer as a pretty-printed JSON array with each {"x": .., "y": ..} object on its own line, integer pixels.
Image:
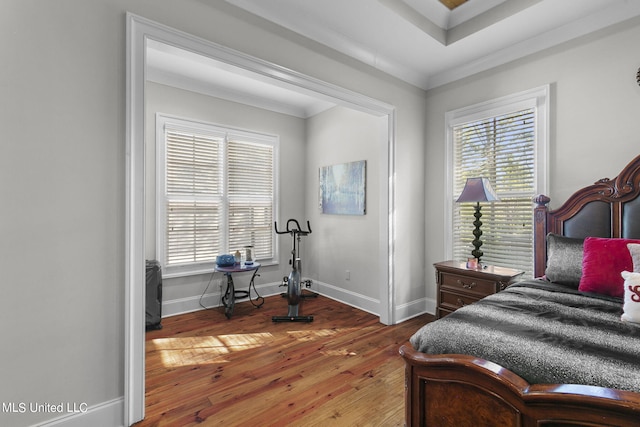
[
  {"x": 422, "y": 42},
  {"x": 425, "y": 43}
]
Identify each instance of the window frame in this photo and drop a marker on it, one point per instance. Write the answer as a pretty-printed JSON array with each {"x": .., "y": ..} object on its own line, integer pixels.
[
  {"x": 536, "y": 98},
  {"x": 216, "y": 131}
]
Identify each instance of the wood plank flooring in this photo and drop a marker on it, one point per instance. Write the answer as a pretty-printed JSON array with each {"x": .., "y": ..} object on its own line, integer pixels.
[{"x": 342, "y": 369}]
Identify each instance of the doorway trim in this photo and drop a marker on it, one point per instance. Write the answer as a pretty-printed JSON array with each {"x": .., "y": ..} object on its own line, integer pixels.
[{"x": 139, "y": 30}]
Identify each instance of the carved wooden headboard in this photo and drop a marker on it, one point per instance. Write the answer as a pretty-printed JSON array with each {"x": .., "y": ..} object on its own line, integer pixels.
[{"x": 608, "y": 208}]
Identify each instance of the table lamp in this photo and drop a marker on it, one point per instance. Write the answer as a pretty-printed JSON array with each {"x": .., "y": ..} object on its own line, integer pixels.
[{"x": 477, "y": 190}]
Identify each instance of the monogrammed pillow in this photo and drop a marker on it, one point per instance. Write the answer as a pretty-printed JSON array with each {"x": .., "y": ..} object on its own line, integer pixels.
[{"x": 631, "y": 308}]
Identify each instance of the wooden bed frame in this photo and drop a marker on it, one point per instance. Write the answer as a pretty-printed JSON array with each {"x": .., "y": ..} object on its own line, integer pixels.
[{"x": 462, "y": 390}]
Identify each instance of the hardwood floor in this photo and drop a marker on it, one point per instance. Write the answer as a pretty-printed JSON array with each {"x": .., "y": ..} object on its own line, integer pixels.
[{"x": 342, "y": 369}]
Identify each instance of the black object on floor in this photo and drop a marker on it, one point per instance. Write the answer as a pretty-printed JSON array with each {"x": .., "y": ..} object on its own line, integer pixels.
[{"x": 154, "y": 295}]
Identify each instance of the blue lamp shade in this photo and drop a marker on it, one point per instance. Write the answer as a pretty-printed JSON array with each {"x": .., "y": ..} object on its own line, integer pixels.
[{"x": 478, "y": 190}]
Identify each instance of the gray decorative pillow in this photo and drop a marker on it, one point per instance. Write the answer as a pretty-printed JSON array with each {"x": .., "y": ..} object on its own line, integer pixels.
[
  {"x": 564, "y": 259},
  {"x": 634, "y": 250}
]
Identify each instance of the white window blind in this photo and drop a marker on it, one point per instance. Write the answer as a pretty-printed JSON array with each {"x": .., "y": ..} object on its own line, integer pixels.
[
  {"x": 502, "y": 149},
  {"x": 193, "y": 198},
  {"x": 216, "y": 194},
  {"x": 250, "y": 169}
]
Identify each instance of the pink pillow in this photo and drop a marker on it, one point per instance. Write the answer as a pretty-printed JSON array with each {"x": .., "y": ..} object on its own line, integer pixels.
[{"x": 602, "y": 263}]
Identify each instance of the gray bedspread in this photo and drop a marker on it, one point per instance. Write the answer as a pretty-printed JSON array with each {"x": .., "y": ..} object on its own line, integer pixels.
[{"x": 545, "y": 333}]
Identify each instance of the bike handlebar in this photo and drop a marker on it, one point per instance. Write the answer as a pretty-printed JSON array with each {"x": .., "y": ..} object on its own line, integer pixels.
[{"x": 297, "y": 230}]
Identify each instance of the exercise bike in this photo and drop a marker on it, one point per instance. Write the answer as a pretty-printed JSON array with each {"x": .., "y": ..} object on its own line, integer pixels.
[{"x": 293, "y": 282}]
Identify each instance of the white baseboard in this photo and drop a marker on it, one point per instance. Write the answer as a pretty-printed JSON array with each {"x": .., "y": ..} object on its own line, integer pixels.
[
  {"x": 106, "y": 414},
  {"x": 371, "y": 305},
  {"x": 413, "y": 309},
  {"x": 404, "y": 312},
  {"x": 362, "y": 302},
  {"x": 187, "y": 305}
]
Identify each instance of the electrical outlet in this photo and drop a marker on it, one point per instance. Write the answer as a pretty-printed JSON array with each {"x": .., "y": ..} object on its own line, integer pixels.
[{"x": 347, "y": 275}]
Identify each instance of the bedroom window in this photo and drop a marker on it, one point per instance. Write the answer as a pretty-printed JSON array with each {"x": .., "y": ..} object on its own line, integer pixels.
[
  {"x": 504, "y": 140},
  {"x": 215, "y": 195}
]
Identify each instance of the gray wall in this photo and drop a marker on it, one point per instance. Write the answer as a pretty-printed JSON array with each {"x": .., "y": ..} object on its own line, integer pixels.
[
  {"x": 343, "y": 243},
  {"x": 62, "y": 165},
  {"x": 62, "y": 188},
  {"x": 595, "y": 105},
  {"x": 338, "y": 242},
  {"x": 291, "y": 132}
]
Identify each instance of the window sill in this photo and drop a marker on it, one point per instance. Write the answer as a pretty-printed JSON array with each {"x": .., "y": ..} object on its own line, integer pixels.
[{"x": 203, "y": 270}]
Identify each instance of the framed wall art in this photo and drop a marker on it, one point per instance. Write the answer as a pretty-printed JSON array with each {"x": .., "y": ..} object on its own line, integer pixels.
[{"x": 343, "y": 188}]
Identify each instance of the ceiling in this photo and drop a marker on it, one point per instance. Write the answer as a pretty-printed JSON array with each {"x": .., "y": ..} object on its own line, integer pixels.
[
  {"x": 184, "y": 69},
  {"x": 452, "y": 4},
  {"x": 421, "y": 42}
]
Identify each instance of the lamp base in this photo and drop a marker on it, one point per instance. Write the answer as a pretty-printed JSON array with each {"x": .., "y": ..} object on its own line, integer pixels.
[{"x": 477, "y": 253}]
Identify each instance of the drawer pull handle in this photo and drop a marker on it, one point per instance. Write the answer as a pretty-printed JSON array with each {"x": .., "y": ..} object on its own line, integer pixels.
[
  {"x": 460, "y": 302},
  {"x": 467, "y": 285}
]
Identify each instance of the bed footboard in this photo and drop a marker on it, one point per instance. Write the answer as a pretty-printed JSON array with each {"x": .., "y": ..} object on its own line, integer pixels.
[{"x": 461, "y": 390}]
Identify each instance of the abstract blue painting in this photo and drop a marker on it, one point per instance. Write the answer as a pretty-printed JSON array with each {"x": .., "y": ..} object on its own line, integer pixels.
[{"x": 343, "y": 189}]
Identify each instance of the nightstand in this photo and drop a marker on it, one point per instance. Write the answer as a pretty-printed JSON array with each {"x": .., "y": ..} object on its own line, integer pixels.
[{"x": 459, "y": 286}]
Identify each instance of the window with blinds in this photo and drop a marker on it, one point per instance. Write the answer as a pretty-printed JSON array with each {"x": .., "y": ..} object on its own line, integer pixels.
[
  {"x": 250, "y": 194},
  {"x": 215, "y": 194},
  {"x": 193, "y": 197},
  {"x": 506, "y": 148}
]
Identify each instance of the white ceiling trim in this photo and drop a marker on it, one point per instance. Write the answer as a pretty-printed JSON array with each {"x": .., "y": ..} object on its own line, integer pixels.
[
  {"x": 425, "y": 44},
  {"x": 223, "y": 74},
  {"x": 451, "y": 26},
  {"x": 171, "y": 66},
  {"x": 418, "y": 41},
  {"x": 533, "y": 45}
]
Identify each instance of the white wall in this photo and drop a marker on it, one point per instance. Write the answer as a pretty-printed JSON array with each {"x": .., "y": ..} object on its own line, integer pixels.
[
  {"x": 62, "y": 190},
  {"x": 62, "y": 168},
  {"x": 341, "y": 243},
  {"x": 594, "y": 116},
  {"x": 62, "y": 165},
  {"x": 182, "y": 294},
  {"x": 338, "y": 242}
]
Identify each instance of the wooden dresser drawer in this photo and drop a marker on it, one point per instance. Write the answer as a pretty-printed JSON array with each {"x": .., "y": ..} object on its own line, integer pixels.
[
  {"x": 454, "y": 301},
  {"x": 459, "y": 286},
  {"x": 470, "y": 285},
  {"x": 442, "y": 311}
]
